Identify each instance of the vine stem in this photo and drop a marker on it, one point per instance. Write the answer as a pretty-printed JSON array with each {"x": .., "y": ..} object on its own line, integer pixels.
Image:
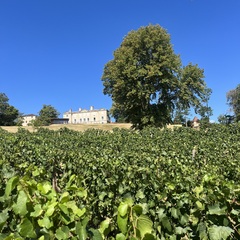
[{"x": 133, "y": 224}]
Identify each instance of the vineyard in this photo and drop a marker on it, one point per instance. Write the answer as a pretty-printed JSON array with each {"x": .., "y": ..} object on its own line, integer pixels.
[{"x": 120, "y": 184}]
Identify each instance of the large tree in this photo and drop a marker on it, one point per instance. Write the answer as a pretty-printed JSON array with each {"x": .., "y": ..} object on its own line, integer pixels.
[
  {"x": 8, "y": 113},
  {"x": 233, "y": 99},
  {"x": 146, "y": 79},
  {"x": 46, "y": 114}
]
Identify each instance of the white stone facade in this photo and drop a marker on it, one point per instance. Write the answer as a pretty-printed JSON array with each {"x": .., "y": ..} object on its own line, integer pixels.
[
  {"x": 83, "y": 116},
  {"x": 27, "y": 119}
]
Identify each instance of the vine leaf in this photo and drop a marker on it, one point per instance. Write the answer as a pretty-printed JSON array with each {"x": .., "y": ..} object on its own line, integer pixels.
[
  {"x": 3, "y": 218},
  {"x": 122, "y": 223},
  {"x": 37, "y": 211},
  {"x": 21, "y": 206},
  {"x": 120, "y": 236},
  {"x": 62, "y": 233},
  {"x": 144, "y": 225},
  {"x": 26, "y": 229},
  {"x": 81, "y": 229},
  {"x": 11, "y": 185},
  {"x": 123, "y": 209},
  {"x": 96, "y": 234},
  {"x": 216, "y": 210},
  {"x": 219, "y": 232}
]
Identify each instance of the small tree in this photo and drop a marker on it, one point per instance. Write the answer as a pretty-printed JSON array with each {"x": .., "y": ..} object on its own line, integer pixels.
[
  {"x": 8, "y": 113},
  {"x": 46, "y": 114},
  {"x": 233, "y": 99},
  {"x": 180, "y": 116}
]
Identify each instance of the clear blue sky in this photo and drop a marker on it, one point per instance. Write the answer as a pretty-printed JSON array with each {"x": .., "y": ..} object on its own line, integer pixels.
[{"x": 54, "y": 51}]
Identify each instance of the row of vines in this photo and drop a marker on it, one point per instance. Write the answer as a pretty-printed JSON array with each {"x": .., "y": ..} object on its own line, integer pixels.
[{"x": 124, "y": 184}]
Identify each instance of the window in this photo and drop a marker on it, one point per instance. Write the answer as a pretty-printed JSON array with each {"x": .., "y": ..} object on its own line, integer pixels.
[{"x": 94, "y": 119}]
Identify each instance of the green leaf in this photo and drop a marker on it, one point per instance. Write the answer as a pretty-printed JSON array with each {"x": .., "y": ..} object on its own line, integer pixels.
[
  {"x": 105, "y": 227},
  {"x": 138, "y": 209},
  {"x": 174, "y": 212},
  {"x": 120, "y": 236},
  {"x": 11, "y": 184},
  {"x": 140, "y": 194},
  {"x": 199, "y": 205},
  {"x": 235, "y": 212},
  {"x": 166, "y": 223},
  {"x": 82, "y": 193},
  {"x": 122, "y": 223},
  {"x": 45, "y": 222},
  {"x": 216, "y": 210},
  {"x": 26, "y": 229},
  {"x": 219, "y": 232},
  {"x": 71, "y": 179},
  {"x": 36, "y": 172},
  {"x": 81, "y": 229},
  {"x": 62, "y": 233},
  {"x": 96, "y": 234},
  {"x": 144, "y": 225},
  {"x": 149, "y": 236},
  {"x": 129, "y": 200},
  {"x": 198, "y": 190},
  {"x": 102, "y": 195},
  {"x": 3, "y": 218},
  {"x": 21, "y": 206},
  {"x": 44, "y": 188},
  {"x": 161, "y": 213},
  {"x": 180, "y": 230},
  {"x": 64, "y": 208},
  {"x": 184, "y": 219},
  {"x": 50, "y": 209},
  {"x": 77, "y": 211},
  {"x": 65, "y": 197},
  {"x": 37, "y": 211},
  {"x": 123, "y": 209},
  {"x": 202, "y": 229}
]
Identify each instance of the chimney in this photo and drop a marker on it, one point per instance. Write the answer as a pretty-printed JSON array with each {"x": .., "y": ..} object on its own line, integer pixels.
[{"x": 91, "y": 108}]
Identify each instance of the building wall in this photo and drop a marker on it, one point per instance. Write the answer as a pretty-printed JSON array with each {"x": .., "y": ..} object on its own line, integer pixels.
[
  {"x": 28, "y": 118},
  {"x": 87, "y": 116}
]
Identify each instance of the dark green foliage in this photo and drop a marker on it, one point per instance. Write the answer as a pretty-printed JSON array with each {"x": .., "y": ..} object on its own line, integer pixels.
[
  {"x": 146, "y": 80},
  {"x": 8, "y": 113},
  {"x": 233, "y": 99},
  {"x": 46, "y": 114}
]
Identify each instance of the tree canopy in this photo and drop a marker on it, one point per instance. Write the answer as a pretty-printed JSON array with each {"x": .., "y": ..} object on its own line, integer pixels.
[
  {"x": 8, "y": 113},
  {"x": 46, "y": 114},
  {"x": 233, "y": 99},
  {"x": 146, "y": 79}
]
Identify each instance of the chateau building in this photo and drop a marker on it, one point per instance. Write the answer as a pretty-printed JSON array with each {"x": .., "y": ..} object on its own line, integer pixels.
[
  {"x": 28, "y": 118},
  {"x": 87, "y": 116}
]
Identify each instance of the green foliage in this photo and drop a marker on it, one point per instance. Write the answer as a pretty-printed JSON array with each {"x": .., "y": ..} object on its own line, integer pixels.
[
  {"x": 46, "y": 114},
  {"x": 233, "y": 99},
  {"x": 123, "y": 184},
  {"x": 147, "y": 81},
  {"x": 33, "y": 209},
  {"x": 8, "y": 113},
  {"x": 132, "y": 223}
]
